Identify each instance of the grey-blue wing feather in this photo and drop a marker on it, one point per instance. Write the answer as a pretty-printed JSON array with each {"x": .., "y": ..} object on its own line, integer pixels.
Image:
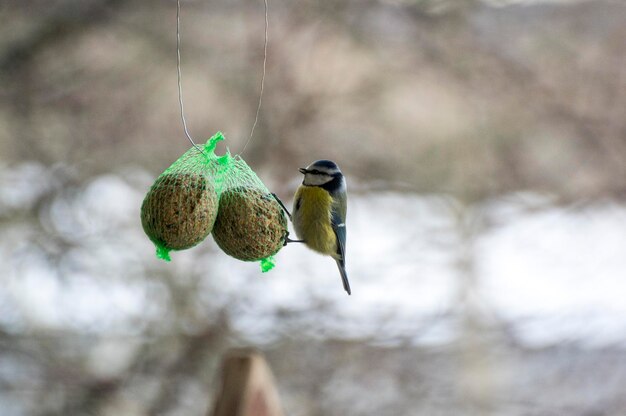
[{"x": 339, "y": 227}]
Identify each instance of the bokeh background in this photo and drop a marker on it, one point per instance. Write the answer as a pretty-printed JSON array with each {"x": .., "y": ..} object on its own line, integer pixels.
[{"x": 484, "y": 144}]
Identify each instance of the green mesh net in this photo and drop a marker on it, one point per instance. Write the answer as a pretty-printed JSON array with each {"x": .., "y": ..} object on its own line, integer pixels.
[{"x": 202, "y": 193}]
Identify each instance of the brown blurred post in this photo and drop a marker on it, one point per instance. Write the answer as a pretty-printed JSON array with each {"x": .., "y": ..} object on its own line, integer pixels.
[{"x": 247, "y": 387}]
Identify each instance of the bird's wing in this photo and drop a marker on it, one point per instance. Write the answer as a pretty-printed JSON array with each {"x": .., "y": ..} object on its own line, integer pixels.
[
  {"x": 339, "y": 227},
  {"x": 337, "y": 221}
]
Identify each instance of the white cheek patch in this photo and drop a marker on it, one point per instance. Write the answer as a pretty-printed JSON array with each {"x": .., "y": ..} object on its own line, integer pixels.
[{"x": 316, "y": 180}]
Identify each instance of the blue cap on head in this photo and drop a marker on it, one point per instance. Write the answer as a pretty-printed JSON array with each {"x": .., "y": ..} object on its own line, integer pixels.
[{"x": 328, "y": 164}]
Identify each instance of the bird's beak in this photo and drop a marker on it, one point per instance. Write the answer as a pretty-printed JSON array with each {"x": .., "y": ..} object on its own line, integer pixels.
[{"x": 302, "y": 171}]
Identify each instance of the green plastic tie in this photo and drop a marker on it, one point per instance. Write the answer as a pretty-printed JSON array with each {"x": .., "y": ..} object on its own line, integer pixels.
[
  {"x": 267, "y": 264},
  {"x": 163, "y": 253},
  {"x": 211, "y": 144}
]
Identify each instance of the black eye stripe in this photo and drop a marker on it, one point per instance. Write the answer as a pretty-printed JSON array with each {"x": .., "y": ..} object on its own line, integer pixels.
[{"x": 314, "y": 171}]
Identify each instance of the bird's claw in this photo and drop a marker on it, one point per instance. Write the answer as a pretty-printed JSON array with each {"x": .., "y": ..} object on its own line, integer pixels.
[{"x": 289, "y": 240}]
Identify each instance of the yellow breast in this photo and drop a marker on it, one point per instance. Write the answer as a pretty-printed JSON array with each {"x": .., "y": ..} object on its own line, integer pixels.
[{"x": 311, "y": 219}]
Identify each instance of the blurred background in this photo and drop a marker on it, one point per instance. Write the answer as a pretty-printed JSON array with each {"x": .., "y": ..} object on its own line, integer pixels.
[{"x": 484, "y": 144}]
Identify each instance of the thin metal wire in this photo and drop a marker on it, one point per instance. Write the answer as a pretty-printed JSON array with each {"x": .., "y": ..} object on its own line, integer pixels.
[
  {"x": 258, "y": 108},
  {"x": 180, "y": 85}
]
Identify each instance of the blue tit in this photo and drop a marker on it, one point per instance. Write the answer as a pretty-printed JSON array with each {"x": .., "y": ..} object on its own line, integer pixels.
[{"x": 319, "y": 212}]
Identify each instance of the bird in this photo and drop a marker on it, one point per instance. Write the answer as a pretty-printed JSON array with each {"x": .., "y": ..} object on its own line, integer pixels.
[{"x": 319, "y": 212}]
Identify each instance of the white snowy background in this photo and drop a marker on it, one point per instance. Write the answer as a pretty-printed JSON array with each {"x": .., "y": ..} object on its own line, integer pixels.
[{"x": 554, "y": 273}]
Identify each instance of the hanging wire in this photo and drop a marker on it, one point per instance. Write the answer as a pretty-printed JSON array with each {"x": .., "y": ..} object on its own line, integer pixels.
[
  {"x": 180, "y": 85},
  {"x": 258, "y": 108}
]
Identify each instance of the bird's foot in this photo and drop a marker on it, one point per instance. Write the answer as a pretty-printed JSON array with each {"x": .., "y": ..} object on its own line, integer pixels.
[{"x": 289, "y": 240}]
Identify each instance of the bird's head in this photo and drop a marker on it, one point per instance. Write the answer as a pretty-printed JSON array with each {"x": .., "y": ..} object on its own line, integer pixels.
[{"x": 321, "y": 172}]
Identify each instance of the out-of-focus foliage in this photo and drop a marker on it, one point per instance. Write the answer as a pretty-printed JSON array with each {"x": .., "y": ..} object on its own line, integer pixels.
[
  {"x": 484, "y": 145},
  {"x": 475, "y": 101}
]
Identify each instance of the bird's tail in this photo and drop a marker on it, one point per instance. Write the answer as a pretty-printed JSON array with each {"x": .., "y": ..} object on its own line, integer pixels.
[{"x": 344, "y": 276}]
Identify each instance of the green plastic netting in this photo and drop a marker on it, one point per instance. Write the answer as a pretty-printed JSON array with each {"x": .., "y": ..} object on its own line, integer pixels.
[{"x": 202, "y": 193}]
